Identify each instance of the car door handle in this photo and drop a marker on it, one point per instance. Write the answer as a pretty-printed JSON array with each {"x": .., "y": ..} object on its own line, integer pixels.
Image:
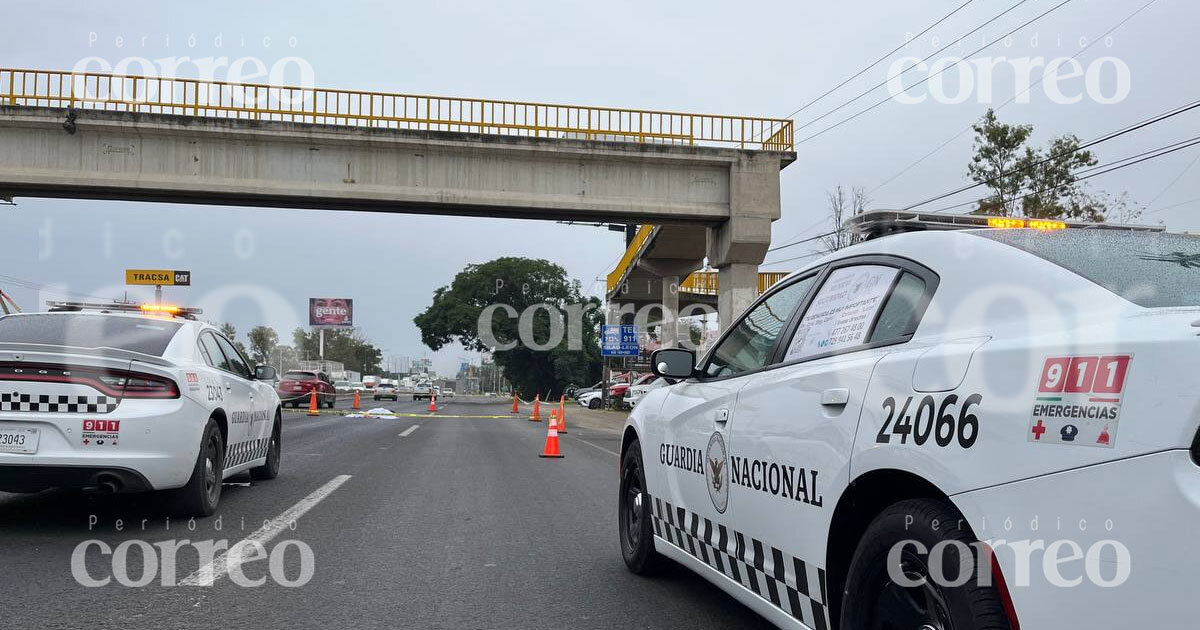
[
  {"x": 835, "y": 397},
  {"x": 722, "y": 416}
]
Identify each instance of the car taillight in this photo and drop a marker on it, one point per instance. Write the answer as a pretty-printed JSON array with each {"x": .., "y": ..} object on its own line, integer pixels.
[
  {"x": 115, "y": 383},
  {"x": 149, "y": 386}
]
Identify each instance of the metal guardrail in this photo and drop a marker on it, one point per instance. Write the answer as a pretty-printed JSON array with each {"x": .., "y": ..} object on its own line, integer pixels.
[{"x": 194, "y": 97}]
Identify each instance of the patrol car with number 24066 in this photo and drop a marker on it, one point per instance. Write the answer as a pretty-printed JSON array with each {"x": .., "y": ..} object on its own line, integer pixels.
[
  {"x": 960, "y": 422},
  {"x": 128, "y": 398}
]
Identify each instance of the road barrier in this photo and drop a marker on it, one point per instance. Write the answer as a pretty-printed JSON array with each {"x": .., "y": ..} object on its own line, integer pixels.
[
  {"x": 312, "y": 403},
  {"x": 537, "y": 409}
]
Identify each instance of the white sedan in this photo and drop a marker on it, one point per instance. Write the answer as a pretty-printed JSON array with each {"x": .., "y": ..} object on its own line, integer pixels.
[
  {"x": 127, "y": 399},
  {"x": 948, "y": 428}
]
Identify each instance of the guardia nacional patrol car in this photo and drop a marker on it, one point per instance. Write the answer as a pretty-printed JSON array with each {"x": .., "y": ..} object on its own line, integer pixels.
[
  {"x": 953, "y": 426},
  {"x": 126, "y": 398}
]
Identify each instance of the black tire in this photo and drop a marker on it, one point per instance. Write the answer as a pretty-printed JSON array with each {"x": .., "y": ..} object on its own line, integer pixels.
[
  {"x": 873, "y": 600},
  {"x": 270, "y": 469},
  {"x": 634, "y": 514},
  {"x": 594, "y": 403},
  {"x": 203, "y": 490}
]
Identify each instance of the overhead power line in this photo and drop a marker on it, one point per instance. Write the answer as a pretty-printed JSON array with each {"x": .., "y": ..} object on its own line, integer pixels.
[
  {"x": 1103, "y": 169},
  {"x": 880, "y": 60},
  {"x": 934, "y": 74},
  {"x": 1091, "y": 143},
  {"x": 927, "y": 58},
  {"x": 1014, "y": 97}
]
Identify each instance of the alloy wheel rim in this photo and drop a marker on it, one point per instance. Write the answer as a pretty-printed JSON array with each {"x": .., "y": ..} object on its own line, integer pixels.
[{"x": 919, "y": 607}]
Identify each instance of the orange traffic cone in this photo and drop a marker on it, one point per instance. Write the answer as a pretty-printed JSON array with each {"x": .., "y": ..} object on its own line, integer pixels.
[
  {"x": 312, "y": 404},
  {"x": 551, "y": 449},
  {"x": 537, "y": 409},
  {"x": 515, "y": 409},
  {"x": 357, "y": 403},
  {"x": 562, "y": 414},
  {"x": 433, "y": 403},
  {"x": 554, "y": 417}
]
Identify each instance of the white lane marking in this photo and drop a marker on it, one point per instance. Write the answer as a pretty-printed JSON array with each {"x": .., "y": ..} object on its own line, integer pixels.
[
  {"x": 597, "y": 446},
  {"x": 219, "y": 567},
  {"x": 407, "y": 432}
]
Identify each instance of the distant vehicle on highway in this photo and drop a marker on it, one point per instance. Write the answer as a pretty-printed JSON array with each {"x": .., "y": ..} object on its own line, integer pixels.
[
  {"x": 343, "y": 387},
  {"x": 447, "y": 393},
  {"x": 422, "y": 391},
  {"x": 296, "y": 387},
  {"x": 357, "y": 386},
  {"x": 387, "y": 390},
  {"x": 370, "y": 382},
  {"x": 143, "y": 398}
]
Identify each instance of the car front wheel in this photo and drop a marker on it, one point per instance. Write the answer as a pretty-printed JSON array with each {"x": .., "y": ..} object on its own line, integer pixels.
[
  {"x": 594, "y": 403},
  {"x": 634, "y": 511},
  {"x": 892, "y": 585}
]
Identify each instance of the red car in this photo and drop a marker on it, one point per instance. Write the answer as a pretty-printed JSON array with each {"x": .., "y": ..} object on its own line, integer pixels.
[{"x": 296, "y": 387}]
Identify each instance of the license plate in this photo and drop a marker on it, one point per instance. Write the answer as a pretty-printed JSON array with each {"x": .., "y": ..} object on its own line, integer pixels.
[{"x": 19, "y": 440}]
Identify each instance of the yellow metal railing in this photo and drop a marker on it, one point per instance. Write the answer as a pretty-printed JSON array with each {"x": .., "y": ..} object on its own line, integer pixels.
[
  {"x": 193, "y": 97},
  {"x": 699, "y": 282},
  {"x": 617, "y": 275},
  {"x": 705, "y": 282}
]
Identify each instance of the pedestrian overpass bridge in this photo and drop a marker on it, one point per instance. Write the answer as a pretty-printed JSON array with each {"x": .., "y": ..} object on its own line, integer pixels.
[{"x": 710, "y": 183}]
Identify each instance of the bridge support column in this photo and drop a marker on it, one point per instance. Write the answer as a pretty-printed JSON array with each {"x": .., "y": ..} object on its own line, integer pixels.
[
  {"x": 670, "y": 318},
  {"x": 737, "y": 247}
]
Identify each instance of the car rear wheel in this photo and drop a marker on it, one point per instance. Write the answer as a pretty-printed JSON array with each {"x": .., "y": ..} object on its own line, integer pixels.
[
  {"x": 633, "y": 508},
  {"x": 877, "y": 598},
  {"x": 594, "y": 403},
  {"x": 270, "y": 469},
  {"x": 203, "y": 490}
]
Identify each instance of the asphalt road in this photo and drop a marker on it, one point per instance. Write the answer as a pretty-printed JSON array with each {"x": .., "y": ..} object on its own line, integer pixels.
[{"x": 443, "y": 522}]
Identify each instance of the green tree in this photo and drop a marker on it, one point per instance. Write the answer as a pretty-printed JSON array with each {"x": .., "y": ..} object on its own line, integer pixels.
[
  {"x": 347, "y": 346},
  {"x": 263, "y": 340},
  {"x": 522, "y": 284},
  {"x": 1025, "y": 181},
  {"x": 230, "y": 332}
]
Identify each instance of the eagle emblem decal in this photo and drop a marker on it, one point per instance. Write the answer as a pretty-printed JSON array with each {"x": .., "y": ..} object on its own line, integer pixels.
[{"x": 715, "y": 472}]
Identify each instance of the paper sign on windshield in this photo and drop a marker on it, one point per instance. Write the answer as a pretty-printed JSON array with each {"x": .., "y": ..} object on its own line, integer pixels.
[{"x": 841, "y": 314}]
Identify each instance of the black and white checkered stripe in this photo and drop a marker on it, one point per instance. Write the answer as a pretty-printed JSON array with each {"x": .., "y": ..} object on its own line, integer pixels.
[
  {"x": 794, "y": 586},
  {"x": 243, "y": 452},
  {"x": 47, "y": 403}
]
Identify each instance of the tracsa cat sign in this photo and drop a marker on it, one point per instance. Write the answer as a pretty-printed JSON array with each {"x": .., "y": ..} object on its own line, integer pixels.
[{"x": 330, "y": 312}]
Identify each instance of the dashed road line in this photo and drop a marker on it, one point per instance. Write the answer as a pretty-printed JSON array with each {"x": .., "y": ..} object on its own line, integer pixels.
[
  {"x": 597, "y": 446},
  {"x": 407, "y": 432}
]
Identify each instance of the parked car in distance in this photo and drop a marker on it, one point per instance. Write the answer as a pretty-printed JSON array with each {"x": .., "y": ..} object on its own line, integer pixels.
[
  {"x": 297, "y": 386},
  {"x": 591, "y": 400},
  {"x": 422, "y": 390},
  {"x": 343, "y": 387},
  {"x": 387, "y": 390},
  {"x": 357, "y": 386}
]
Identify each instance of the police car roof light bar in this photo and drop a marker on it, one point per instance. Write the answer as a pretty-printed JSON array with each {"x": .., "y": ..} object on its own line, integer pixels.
[
  {"x": 879, "y": 223},
  {"x": 125, "y": 307}
]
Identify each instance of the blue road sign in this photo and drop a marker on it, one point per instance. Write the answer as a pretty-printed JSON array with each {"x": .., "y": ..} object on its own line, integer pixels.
[{"x": 619, "y": 341}]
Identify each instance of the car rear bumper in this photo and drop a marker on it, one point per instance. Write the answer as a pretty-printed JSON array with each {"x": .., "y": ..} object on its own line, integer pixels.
[
  {"x": 1134, "y": 518},
  {"x": 33, "y": 478},
  {"x": 154, "y": 447}
]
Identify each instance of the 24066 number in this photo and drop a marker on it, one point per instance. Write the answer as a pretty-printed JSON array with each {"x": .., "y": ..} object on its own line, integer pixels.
[{"x": 931, "y": 420}]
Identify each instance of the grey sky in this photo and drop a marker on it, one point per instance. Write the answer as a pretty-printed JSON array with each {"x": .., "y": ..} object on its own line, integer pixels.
[{"x": 751, "y": 58}]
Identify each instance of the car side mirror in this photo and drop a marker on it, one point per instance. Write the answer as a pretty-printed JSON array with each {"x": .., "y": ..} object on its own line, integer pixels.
[
  {"x": 673, "y": 363},
  {"x": 264, "y": 373}
]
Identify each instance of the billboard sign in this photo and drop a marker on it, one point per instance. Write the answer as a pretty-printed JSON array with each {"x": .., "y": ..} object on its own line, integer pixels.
[{"x": 331, "y": 312}]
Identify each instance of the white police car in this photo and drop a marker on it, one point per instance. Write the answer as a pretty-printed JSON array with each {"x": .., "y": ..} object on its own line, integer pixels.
[
  {"x": 124, "y": 398},
  {"x": 946, "y": 428}
]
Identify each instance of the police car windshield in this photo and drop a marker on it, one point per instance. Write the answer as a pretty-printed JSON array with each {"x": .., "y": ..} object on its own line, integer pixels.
[
  {"x": 1150, "y": 269},
  {"x": 78, "y": 330}
]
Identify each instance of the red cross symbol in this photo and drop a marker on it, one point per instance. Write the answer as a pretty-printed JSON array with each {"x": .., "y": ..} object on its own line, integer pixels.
[
  {"x": 1038, "y": 430},
  {"x": 86, "y": 441}
]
